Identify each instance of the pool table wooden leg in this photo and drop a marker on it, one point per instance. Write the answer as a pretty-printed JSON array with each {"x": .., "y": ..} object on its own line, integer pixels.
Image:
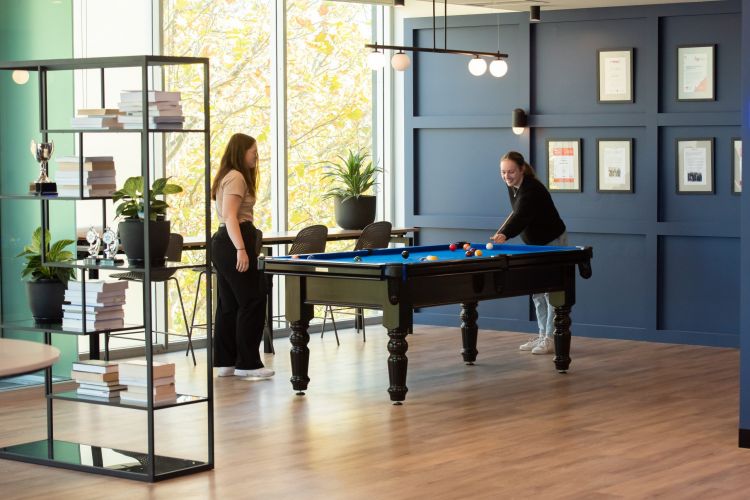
[
  {"x": 300, "y": 355},
  {"x": 397, "y": 363},
  {"x": 469, "y": 330},
  {"x": 562, "y": 338}
]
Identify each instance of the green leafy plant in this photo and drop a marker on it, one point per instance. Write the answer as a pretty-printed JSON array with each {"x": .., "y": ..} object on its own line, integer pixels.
[
  {"x": 54, "y": 252},
  {"x": 353, "y": 176},
  {"x": 131, "y": 198}
]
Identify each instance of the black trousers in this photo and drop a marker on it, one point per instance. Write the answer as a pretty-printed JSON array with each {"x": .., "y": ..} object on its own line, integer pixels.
[{"x": 241, "y": 307}]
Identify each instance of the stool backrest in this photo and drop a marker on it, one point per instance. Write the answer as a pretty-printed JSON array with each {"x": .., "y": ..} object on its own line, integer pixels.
[
  {"x": 375, "y": 235},
  {"x": 174, "y": 247},
  {"x": 311, "y": 239}
]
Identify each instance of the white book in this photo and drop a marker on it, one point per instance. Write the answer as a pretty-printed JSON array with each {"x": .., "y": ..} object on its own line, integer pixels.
[
  {"x": 157, "y": 390},
  {"x": 89, "y": 166},
  {"x": 136, "y": 369},
  {"x": 99, "y": 316},
  {"x": 78, "y": 309},
  {"x": 88, "y": 184},
  {"x": 151, "y": 96},
  {"x": 126, "y": 395},
  {"x": 98, "y": 394},
  {"x": 94, "y": 121},
  {"x": 82, "y": 380},
  {"x": 151, "y": 119},
  {"x": 76, "y": 174},
  {"x": 171, "y": 111},
  {"x": 142, "y": 382},
  {"x": 93, "y": 193},
  {"x": 77, "y": 326},
  {"x": 95, "y": 366},
  {"x": 98, "y": 286},
  {"x": 90, "y": 386},
  {"x": 94, "y": 303},
  {"x": 154, "y": 126},
  {"x": 93, "y": 294},
  {"x": 93, "y": 159}
]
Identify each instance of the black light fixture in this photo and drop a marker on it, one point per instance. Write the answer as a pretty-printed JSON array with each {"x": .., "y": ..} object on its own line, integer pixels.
[
  {"x": 519, "y": 120},
  {"x": 477, "y": 64},
  {"x": 535, "y": 13},
  {"x": 398, "y": 3}
]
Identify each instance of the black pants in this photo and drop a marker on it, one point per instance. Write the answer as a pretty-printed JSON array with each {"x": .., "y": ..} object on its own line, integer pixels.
[{"x": 241, "y": 307}]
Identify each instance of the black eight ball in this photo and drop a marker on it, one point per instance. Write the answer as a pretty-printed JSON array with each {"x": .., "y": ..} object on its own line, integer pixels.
[{"x": 405, "y": 254}]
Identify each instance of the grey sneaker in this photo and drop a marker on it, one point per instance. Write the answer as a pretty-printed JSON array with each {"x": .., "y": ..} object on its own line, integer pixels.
[
  {"x": 257, "y": 373},
  {"x": 226, "y": 371},
  {"x": 531, "y": 344},
  {"x": 546, "y": 346}
]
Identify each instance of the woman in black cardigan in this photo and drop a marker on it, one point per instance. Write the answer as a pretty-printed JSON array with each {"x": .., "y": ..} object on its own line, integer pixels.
[{"x": 535, "y": 218}]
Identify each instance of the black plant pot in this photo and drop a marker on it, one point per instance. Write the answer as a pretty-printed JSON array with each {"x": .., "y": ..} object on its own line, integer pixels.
[
  {"x": 46, "y": 299},
  {"x": 354, "y": 213},
  {"x": 131, "y": 237}
]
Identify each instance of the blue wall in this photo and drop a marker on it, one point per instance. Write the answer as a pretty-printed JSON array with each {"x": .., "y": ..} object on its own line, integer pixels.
[{"x": 665, "y": 265}]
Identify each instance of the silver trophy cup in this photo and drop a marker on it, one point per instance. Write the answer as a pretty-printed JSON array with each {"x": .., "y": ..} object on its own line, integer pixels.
[{"x": 42, "y": 152}]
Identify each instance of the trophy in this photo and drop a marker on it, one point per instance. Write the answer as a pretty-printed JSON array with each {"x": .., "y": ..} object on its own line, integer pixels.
[
  {"x": 42, "y": 152},
  {"x": 95, "y": 243},
  {"x": 111, "y": 243}
]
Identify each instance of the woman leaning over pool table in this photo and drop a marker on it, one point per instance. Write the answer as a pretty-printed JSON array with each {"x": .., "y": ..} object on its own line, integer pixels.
[{"x": 535, "y": 218}]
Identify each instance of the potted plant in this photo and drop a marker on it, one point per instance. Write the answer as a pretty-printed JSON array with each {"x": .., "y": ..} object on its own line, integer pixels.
[
  {"x": 353, "y": 178},
  {"x": 131, "y": 209},
  {"x": 46, "y": 289}
]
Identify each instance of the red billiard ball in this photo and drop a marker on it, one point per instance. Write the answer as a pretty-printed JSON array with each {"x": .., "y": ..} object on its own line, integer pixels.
[{"x": 452, "y": 247}]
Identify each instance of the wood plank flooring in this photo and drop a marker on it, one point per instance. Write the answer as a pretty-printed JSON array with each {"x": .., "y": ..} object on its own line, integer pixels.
[{"x": 630, "y": 420}]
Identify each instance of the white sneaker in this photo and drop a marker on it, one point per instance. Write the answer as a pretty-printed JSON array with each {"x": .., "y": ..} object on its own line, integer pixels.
[
  {"x": 257, "y": 373},
  {"x": 531, "y": 344},
  {"x": 546, "y": 346},
  {"x": 226, "y": 371}
]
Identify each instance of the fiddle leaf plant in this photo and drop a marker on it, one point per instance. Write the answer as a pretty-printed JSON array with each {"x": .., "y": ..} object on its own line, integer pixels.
[
  {"x": 53, "y": 252},
  {"x": 353, "y": 177},
  {"x": 131, "y": 198}
]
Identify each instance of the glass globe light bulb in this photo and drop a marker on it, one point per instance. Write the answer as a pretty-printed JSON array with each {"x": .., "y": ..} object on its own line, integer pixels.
[
  {"x": 375, "y": 60},
  {"x": 498, "y": 68},
  {"x": 477, "y": 66},
  {"x": 518, "y": 130},
  {"x": 20, "y": 76},
  {"x": 400, "y": 61}
]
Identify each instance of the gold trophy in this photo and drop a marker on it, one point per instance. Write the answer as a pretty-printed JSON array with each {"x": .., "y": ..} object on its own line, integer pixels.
[{"x": 43, "y": 152}]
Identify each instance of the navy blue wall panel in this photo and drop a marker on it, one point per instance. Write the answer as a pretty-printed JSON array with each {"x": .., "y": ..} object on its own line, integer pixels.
[{"x": 662, "y": 260}]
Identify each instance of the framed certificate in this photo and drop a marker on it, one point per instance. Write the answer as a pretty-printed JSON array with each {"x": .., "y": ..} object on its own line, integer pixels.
[
  {"x": 736, "y": 165},
  {"x": 564, "y": 165},
  {"x": 615, "y": 70},
  {"x": 614, "y": 170},
  {"x": 696, "y": 67},
  {"x": 695, "y": 166}
]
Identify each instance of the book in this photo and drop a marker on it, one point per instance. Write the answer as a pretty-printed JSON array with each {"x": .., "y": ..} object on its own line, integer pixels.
[
  {"x": 94, "y": 122},
  {"x": 98, "y": 394},
  {"x": 151, "y": 119},
  {"x": 126, "y": 395},
  {"x": 93, "y": 193},
  {"x": 93, "y": 309},
  {"x": 75, "y": 325},
  {"x": 136, "y": 369},
  {"x": 153, "y": 126},
  {"x": 75, "y": 175},
  {"x": 98, "y": 111},
  {"x": 158, "y": 390},
  {"x": 141, "y": 382},
  {"x": 151, "y": 96},
  {"x": 95, "y": 366},
  {"x": 98, "y": 316},
  {"x": 94, "y": 159},
  {"x": 99, "y": 285},
  {"x": 95, "y": 378},
  {"x": 71, "y": 295},
  {"x": 98, "y": 181},
  {"x": 89, "y": 166},
  {"x": 155, "y": 111},
  {"x": 111, "y": 387}
]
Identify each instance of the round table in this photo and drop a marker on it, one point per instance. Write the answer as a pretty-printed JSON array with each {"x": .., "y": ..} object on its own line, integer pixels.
[{"x": 18, "y": 357}]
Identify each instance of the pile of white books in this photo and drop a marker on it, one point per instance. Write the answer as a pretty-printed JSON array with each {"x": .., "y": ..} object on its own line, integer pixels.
[
  {"x": 104, "y": 305},
  {"x": 133, "y": 375},
  {"x": 164, "y": 110},
  {"x": 97, "y": 378},
  {"x": 96, "y": 119},
  {"x": 98, "y": 174}
]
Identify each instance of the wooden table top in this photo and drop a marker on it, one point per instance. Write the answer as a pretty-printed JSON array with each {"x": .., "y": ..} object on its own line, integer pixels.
[{"x": 18, "y": 357}]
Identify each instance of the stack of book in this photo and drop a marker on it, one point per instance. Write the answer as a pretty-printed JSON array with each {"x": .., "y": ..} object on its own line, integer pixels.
[
  {"x": 98, "y": 176},
  {"x": 96, "y": 119},
  {"x": 97, "y": 378},
  {"x": 133, "y": 375},
  {"x": 104, "y": 302},
  {"x": 164, "y": 110}
]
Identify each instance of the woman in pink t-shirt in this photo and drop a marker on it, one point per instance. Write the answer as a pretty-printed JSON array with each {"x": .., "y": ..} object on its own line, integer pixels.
[{"x": 241, "y": 306}]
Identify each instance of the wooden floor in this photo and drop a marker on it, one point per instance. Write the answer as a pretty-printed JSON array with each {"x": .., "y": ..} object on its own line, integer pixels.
[{"x": 629, "y": 420}]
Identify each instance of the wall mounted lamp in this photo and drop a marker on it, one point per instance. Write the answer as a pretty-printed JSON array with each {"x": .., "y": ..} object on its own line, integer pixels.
[
  {"x": 519, "y": 120},
  {"x": 20, "y": 76},
  {"x": 535, "y": 13},
  {"x": 400, "y": 61}
]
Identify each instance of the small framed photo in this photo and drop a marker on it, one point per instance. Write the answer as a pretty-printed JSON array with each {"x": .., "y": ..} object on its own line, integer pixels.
[
  {"x": 696, "y": 69},
  {"x": 564, "y": 165},
  {"x": 615, "y": 70},
  {"x": 695, "y": 166},
  {"x": 614, "y": 171},
  {"x": 736, "y": 165}
]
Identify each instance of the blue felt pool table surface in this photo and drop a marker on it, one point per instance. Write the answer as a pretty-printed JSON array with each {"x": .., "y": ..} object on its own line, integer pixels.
[{"x": 418, "y": 254}]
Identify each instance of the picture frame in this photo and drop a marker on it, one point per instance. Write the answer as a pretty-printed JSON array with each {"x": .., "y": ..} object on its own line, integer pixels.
[
  {"x": 615, "y": 75},
  {"x": 696, "y": 70},
  {"x": 736, "y": 165},
  {"x": 564, "y": 165},
  {"x": 694, "y": 165},
  {"x": 614, "y": 166}
]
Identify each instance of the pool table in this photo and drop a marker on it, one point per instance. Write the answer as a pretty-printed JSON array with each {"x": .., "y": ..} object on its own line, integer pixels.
[{"x": 397, "y": 282}]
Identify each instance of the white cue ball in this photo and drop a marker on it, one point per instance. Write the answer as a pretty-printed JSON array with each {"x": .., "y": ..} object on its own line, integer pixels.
[{"x": 489, "y": 246}]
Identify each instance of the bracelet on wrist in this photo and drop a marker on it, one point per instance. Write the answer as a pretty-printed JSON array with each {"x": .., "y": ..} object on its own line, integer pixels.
[{"x": 240, "y": 249}]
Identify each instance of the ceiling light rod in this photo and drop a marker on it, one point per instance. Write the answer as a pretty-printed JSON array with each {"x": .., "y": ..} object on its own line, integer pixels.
[{"x": 378, "y": 46}]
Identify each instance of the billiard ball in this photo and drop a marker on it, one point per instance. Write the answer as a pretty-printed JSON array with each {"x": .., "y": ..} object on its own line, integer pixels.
[
  {"x": 405, "y": 254},
  {"x": 469, "y": 253},
  {"x": 467, "y": 246},
  {"x": 452, "y": 247},
  {"x": 432, "y": 257},
  {"x": 357, "y": 258},
  {"x": 478, "y": 252},
  {"x": 489, "y": 246},
  {"x": 295, "y": 256}
]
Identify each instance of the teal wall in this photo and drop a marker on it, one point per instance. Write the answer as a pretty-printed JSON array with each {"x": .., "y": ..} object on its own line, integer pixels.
[{"x": 29, "y": 30}]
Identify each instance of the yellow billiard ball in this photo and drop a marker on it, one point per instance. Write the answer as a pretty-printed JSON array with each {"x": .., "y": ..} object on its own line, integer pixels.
[
  {"x": 478, "y": 253},
  {"x": 432, "y": 257}
]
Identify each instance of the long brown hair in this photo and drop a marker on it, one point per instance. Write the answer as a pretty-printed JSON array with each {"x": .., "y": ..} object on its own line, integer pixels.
[
  {"x": 517, "y": 158},
  {"x": 234, "y": 159}
]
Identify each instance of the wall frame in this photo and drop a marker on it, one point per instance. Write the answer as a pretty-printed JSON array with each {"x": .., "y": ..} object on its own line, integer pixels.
[
  {"x": 614, "y": 165},
  {"x": 736, "y": 165},
  {"x": 696, "y": 70},
  {"x": 615, "y": 75},
  {"x": 694, "y": 166},
  {"x": 564, "y": 165}
]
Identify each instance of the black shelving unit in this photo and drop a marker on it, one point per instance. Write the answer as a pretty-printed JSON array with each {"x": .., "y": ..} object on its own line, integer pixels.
[{"x": 146, "y": 466}]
